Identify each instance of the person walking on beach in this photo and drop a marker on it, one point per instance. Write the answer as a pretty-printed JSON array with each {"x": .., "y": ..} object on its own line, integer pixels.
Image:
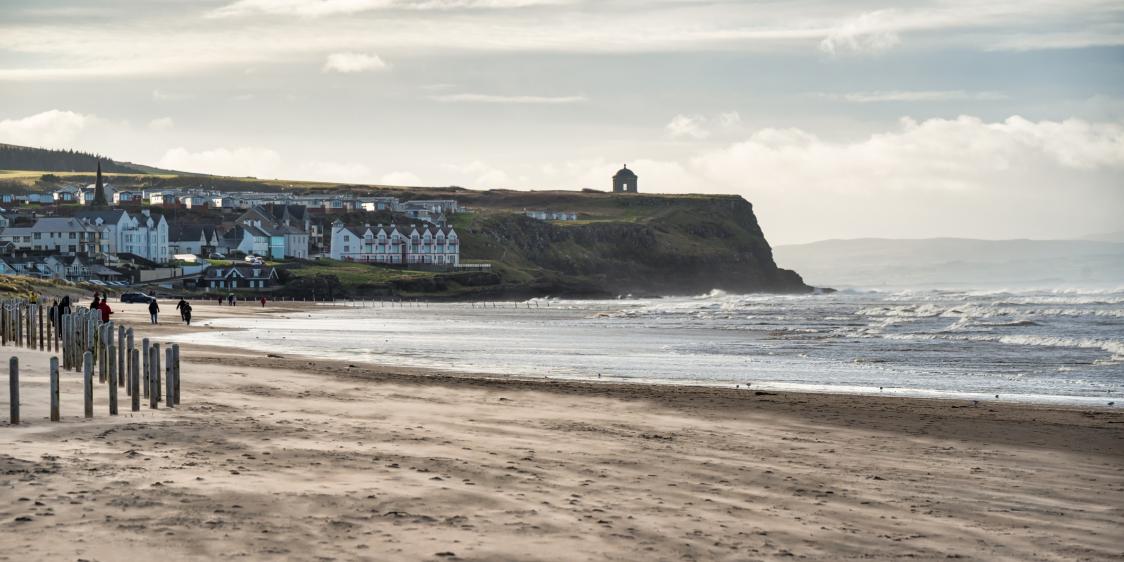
[
  {"x": 263, "y": 302},
  {"x": 96, "y": 303},
  {"x": 185, "y": 312},
  {"x": 230, "y": 300},
  {"x": 53, "y": 314},
  {"x": 153, "y": 311},
  {"x": 103, "y": 306},
  {"x": 182, "y": 306},
  {"x": 64, "y": 306}
]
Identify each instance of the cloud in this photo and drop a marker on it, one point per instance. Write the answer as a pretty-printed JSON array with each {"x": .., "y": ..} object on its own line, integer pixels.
[
  {"x": 938, "y": 177},
  {"x": 161, "y": 124},
  {"x": 491, "y": 98},
  {"x": 320, "y": 8},
  {"x": 867, "y": 33},
  {"x": 963, "y": 177},
  {"x": 160, "y": 95},
  {"x": 687, "y": 126},
  {"x": 241, "y": 161},
  {"x": 699, "y": 127},
  {"x": 915, "y": 96},
  {"x": 138, "y": 42},
  {"x": 49, "y": 129},
  {"x": 400, "y": 178},
  {"x": 346, "y": 63}
]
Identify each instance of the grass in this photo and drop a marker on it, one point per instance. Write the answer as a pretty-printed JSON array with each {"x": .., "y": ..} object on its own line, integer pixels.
[{"x": 350, "y": 273}]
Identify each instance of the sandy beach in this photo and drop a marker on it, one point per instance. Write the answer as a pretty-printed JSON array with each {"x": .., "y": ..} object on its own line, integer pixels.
[{"x": 286, "y": 458}]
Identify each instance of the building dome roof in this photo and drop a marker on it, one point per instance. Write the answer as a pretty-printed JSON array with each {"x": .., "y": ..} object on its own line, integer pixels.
[{"x": 625, "y": 173}]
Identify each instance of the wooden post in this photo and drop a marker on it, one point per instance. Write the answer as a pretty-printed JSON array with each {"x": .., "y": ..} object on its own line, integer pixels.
[
  {"x": 111, "y": 356},
  {"x": 176, "y": 369},
  {"x": 42, "y": 343},
  {"x": 121, "y": 356},
  {"x": 156, "y": 384},
  {"x": 129, "y": 347},
  {"x": 147, "y": 358},
  {"x": 151, "y": 374},
  {"x": 3, "y": 324},
  {"x": 99, "y": 356},
  {"x": 88, "y": 382},
  {"x": 169, "y": 379},
  {"x": 134, "y": 377},
  {"x": 54, "y": 389},
  {"x": 14, "y": 391}
]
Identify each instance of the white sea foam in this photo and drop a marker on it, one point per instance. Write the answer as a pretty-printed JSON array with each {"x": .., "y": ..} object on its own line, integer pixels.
[{"x": 942, "y": 343}]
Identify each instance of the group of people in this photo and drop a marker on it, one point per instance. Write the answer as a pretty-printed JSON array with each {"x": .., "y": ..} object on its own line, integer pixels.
[{"x": 61, "y": 307}]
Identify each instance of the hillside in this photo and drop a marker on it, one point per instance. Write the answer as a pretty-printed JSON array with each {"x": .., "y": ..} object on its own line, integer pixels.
[
  {"x": 14, "y": 157},
  {"x": 957, "y": 262},
  {"x": 622, "y": 244}
]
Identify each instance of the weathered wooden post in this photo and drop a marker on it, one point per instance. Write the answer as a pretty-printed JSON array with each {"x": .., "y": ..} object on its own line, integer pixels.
[
  {"x": 121, "y": 356},
  {"x": 134, "y": 377},
  {"x": 88, "y": 383},
  {"x": 153, "y": 395},
  {"x": 176, "y": 369},
  {"x": 14, "y": 391},
  {"x": 169, "y": 379},
  {"x": 39, "y": 322},
  {"x": 99, "y": 356},
  {"x": 156, "y": 379},
  {"x": 129, "y": 360},
  {"x": 54, "y": 389},
  {"x": 146, "y": 347},
  {"x": 111, "y": 356}
]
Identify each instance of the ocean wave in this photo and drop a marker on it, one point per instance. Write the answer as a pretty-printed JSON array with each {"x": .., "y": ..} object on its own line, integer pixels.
[{"x": 1113, "y": 347}]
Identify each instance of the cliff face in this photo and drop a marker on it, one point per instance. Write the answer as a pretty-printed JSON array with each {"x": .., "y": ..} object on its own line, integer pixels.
[{"x": 659, "y": 245}]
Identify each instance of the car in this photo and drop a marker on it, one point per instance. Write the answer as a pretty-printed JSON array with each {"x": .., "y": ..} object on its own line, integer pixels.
[{"x": 136, "y": 297}]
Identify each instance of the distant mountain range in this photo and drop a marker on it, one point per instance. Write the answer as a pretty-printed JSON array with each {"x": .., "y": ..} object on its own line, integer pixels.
[
  {"x": 957, "y": 262},
  {"x": 13, "y": 157}
]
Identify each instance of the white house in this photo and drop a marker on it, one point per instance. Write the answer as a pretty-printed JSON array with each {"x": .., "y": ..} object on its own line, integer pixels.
[
  {"x": 142, "y": 235},
  {"x": 193, "y": 239},
  {"x": 66, "y": 235},
  {"x": 392, "y": 245},
  {"x": 66, "y": 194}
]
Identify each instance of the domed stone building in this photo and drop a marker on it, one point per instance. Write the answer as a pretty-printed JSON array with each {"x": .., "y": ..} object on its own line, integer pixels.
[{"x": 624, "y": 181}]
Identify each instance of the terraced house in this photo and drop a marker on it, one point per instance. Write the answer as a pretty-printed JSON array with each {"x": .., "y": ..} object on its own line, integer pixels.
[{"x": 437, "y": 246}]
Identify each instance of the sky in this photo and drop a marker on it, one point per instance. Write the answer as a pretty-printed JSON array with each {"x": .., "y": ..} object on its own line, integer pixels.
[{"x": 836, "y": 119}]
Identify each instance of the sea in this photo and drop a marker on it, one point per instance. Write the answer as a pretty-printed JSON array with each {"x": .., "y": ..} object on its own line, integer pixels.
[{"x": 1038, "y": 346}]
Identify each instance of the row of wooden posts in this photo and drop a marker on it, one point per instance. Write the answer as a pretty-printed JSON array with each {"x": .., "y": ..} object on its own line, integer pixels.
[{"x": 84, "y": 343}]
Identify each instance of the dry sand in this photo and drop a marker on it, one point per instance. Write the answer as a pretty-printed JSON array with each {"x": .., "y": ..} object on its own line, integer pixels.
[{"x": 291, "y": 459}]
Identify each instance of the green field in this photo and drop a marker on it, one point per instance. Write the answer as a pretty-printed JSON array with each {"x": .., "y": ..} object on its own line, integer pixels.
[{"x": 357, "y": 273}]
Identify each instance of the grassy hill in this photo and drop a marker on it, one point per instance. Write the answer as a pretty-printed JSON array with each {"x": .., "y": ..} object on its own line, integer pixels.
[{"x": 621, "y": 244}]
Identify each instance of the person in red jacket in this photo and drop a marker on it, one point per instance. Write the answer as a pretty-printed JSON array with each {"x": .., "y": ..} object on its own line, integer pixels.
[{"x": 103, "y": 306}]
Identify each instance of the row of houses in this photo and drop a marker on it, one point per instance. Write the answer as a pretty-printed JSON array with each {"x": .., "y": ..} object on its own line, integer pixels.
[
  {"x": 390, "y": 244},
  {"x": 110, "y": 232}
]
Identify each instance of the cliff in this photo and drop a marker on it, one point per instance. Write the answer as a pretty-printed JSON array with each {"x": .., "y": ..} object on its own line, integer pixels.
[{"x": 624, "y": 244}]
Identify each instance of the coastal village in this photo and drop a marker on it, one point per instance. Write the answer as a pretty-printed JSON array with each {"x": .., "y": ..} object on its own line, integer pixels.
[{"x": 207, "y": 239}]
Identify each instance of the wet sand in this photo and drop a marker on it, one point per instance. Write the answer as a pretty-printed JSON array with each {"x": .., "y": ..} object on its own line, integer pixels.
[{"x": 286, "y": 458}]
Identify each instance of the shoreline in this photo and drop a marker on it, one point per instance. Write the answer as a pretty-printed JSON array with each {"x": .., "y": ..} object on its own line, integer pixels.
[
  {"x": 282, "y": 458},
  {"x": 1088, "y": 402}
]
